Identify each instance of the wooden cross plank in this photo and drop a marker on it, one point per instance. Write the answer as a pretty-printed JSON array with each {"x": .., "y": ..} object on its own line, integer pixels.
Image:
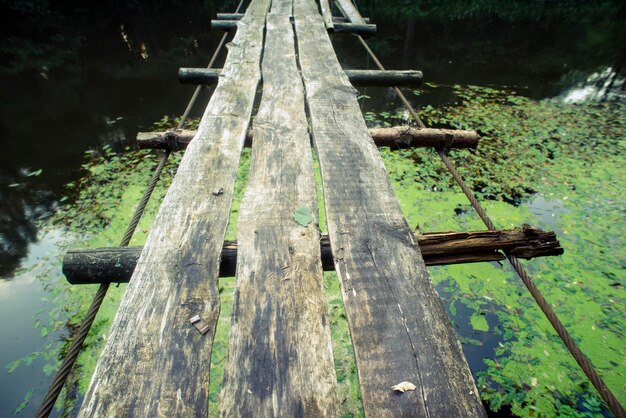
[
  {"x": 400, "y": 330},
  {"x": 280, "y": 360},
  {"x": 155, "y": 362},
  {"x": 350, "y": 11}
]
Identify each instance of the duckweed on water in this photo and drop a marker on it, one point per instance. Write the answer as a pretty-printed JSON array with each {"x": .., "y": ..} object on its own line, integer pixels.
[{"x": 568, "y": 158}]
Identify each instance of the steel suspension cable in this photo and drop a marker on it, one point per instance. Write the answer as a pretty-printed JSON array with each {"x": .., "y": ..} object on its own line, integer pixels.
[
  {"x": 77, "y": 343},
  {"x": 575, "y": 351}
]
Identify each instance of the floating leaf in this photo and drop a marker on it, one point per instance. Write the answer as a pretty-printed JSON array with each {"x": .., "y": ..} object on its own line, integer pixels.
[
  {"x": 303, "y": 216},
  {"x": 27, "y": 398},
  {"x": 35, "y": 173},
  {"x": 403, "y": 387}
]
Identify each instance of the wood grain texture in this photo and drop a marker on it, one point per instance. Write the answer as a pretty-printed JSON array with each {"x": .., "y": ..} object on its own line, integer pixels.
[
  {"x": 350, "y": 11},
  {"x": 155, "y": 363},
  {"x": 280, "y": 360},
  {"x": 399, "y": 328}
]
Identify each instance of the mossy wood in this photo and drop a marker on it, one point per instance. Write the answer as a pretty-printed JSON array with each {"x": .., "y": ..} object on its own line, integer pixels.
[
  {"x": 395, "y": 137},
  {"x": 155, "y": 362},
  {"x": 400, "y": 330},
  {"x": 280, "y": 360},
  {"x": 89, "y": 266}
]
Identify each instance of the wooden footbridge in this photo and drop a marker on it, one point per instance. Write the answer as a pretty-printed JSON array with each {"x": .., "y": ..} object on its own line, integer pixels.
[{"x": 157, "y": 357}]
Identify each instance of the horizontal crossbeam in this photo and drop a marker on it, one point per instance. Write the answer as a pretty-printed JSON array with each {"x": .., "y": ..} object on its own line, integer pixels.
[{"x": 89, "y": 266}]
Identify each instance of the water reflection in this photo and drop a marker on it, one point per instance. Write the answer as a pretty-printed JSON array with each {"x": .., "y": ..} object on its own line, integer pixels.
[
  {"x": 21, "y": 204},
  {"x": 604, "y": 84}
]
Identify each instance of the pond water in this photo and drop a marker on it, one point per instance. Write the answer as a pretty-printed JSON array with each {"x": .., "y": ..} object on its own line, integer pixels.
[{"x": 109, "y": 74}]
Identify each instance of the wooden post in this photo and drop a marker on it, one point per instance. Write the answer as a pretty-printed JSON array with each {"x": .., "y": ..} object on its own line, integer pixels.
[
  {"x": 323, "y": 3},
  {"x": 387, "y": 78},
  {"x": 89, "y": 266}
]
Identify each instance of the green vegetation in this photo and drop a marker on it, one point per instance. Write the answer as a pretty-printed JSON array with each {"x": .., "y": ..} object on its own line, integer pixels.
[{"x": 543, "y": 163}]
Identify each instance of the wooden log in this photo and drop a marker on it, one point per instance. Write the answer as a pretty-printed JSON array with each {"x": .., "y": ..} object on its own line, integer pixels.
[
  {"x": 394, "y": 137},
  {"x": 280, "y": 359},
  {"x": 350, "y": 11},
  {"x": 363, "y": 29},
  {"x": 379, "y": 78},
  {"x": 89, "y": 266},
  {"x": 229, "y": 16},
  {"x": 155, "y": 362},
  {"x": 406, "y": 136},
  {"x": 323, "y": 4},
  {"x": 341, "y": 19},
  {"x": 400, "y": 330}
]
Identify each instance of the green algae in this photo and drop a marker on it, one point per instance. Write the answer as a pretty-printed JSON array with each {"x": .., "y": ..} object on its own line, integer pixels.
[{"x": 532, "y": 154}]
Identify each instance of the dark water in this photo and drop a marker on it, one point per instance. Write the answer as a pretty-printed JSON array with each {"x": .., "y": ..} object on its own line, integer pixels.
[{"x": 90, "y": 78}]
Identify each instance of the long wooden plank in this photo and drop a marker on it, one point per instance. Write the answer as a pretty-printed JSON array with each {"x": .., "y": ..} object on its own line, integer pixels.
[
  {"x": 280, "y": 360},
  {"x": 350, "y": 11},
  {"x": 327, "y": 14},
  {"x": 399, "y": 328},
  {"x": 155, "y": 362}
]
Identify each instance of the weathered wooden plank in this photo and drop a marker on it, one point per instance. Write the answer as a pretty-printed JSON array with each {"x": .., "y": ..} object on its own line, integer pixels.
[
  {"x": 155, "y": 363},
  {"x": 350, "y": 11},
  {"x": 280, "y": 360},
  {"x": 400, "y": 330},
  {"x": 98, "y": 265},
  {"x": 393, "y": 136},
  {"x": 327, "y": 15}
]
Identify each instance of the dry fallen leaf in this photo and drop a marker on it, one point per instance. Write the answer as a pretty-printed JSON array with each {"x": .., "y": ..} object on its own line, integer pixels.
[{"x": 404, "y": 386}]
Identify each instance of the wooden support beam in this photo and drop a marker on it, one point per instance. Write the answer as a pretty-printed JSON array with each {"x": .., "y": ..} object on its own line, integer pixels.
[
  {"x": 362, "y": 29},
  {"x": 386, "y": 78},
  {"x": 89, "y": 266},
  {"x": 229, "y": 16},
  {"x": 341, "y": 19},
  {"x": 324, "y": 3},
  {"x": 394, "y": 137}
]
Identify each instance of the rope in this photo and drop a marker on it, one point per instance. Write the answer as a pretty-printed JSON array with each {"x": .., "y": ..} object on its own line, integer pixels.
[
  {"x": 77, "y": 343},
  {"x": 573, "y": 348}
]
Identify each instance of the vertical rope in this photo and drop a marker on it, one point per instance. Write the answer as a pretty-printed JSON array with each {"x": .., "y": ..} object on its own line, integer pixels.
[
  {"x": 77, "y": 343},
  {"x": 545, "y": 307}
]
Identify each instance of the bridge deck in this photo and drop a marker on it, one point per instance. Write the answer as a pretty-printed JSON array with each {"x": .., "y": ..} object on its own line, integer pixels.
[{"x": 156, "y": 363}]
